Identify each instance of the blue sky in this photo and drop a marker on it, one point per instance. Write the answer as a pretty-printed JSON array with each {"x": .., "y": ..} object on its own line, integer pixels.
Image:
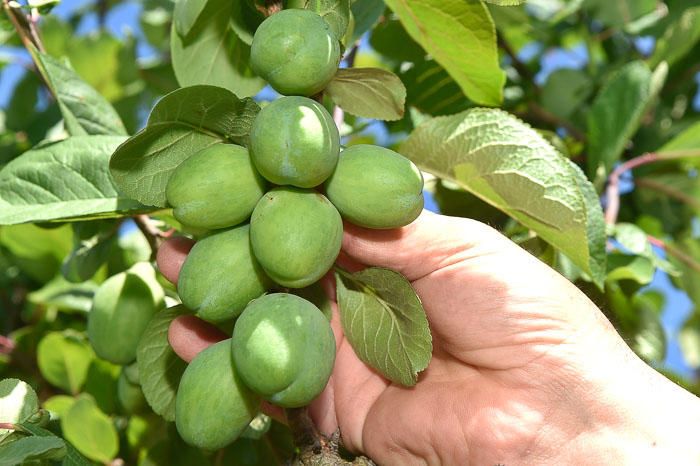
[{"x": 123, "y": 20}]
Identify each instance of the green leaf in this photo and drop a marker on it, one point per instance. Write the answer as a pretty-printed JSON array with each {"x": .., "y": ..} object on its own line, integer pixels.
[
  {"x": 461, "y": 36},
  {"x": 686, "y": 140},
  {"x": 38, "y": 252},
  {"x": 59, "y": 405},
  {"x": 506, "y": 163},
  {"x": 679, "y": 39},
  {"x": 73, "y": 456},
  {"x": 384, "y": 321},
  {"x": 79, "y": 185},
  {"x": 335, "y": 12},
  {"x": 368, "y": 93},
  {"x": 245, "y": 20},
  {"x": 64, "y": 361},
  {"x": 101, "y": 383},
  {"x": 64, "y": 295},
  {"x": 92, "y": 245},
  {"x": 84, "y": 110},
  {"x": 595, "y": 225},
  {"x": 18, "y": 403},
  {"x": 627, "y": 267},
  {"x": 505, "y": 2},
  {"x": 213, "y": 53},
  {"x": 90, "y": 431},
  {"x": 620, "y": 12},
  {"x": 617, "y": 112},
  {"x": 366, "y": 14},
  {"x": 186, "y": 13},
  {"x": 689, "y": 340},
  {"x": 181, "y": 124},
  {"x": 565, "y": 91},
  {"x": 432, "y": 91},
  {"x": 27, "y": 449},
  {"x": 20, "y": 110},
  {"x": 160, "y": 369},
  {"x": 390, "y": 39}
]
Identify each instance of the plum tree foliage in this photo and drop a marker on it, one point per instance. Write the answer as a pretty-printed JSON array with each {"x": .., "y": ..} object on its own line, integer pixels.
[{"x": 385, "y": 107}]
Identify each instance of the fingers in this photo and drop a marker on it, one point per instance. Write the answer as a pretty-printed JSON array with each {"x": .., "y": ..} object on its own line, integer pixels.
[
  {"x": 188, "y": 335},
  {"x": 171, "y": 255},
  {"x": 416, "y": 249}
]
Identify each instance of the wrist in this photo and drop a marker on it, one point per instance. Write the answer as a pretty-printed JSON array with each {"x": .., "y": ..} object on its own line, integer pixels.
[{"x": 626, "y": 413}]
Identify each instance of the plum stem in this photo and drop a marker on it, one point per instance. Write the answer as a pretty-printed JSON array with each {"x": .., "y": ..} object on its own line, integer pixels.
[{"x": 314, "y": 448}]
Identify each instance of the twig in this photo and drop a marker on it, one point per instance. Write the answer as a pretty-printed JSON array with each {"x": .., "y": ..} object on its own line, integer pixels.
[
  {"x": 306, "y": 436},
  {"x": 153, "y": 235},
  {"x": 521, "y": 67},
  {"x": 612, "y": 192},
  {"x": 20, "y": 23},
  {"x": 339, "y": 113},
  {"x": 675, "y": 252},
  {"x": 271, "y": 7},
  {"x": 548, "y": 117},
  {"x": 8, "y": 426},
  {"x": 669, "y": 191},
  {"x": 6, "y": 345}
]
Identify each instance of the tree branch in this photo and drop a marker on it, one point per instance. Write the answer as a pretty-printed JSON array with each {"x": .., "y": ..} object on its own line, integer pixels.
[
  {"x": 153, "y": 235},
  {"x": 612, "y": 192},
  {"x": 520, "y": 67},
  {"x": 675, "y": 252},
  {"x": 315, "y": 449},
  {"x": 25, "y": 27}
]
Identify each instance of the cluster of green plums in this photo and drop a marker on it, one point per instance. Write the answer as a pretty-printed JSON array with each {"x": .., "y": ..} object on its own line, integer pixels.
[{"x": 273, "y": 215}]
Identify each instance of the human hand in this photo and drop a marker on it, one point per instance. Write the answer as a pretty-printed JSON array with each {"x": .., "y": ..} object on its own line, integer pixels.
[{"x": 525, "y": 369}]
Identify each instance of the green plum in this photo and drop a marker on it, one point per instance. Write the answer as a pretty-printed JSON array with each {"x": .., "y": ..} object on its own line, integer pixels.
[
  {"x": 295, "y": 51},
  {"x": 284, "y": 349},
  {"x": 296, "y": 235},
  {"x": 213, "y": 406},
  {"x": 294, "y": 141},
  {"x": 375, "y": 187},
  {"x": 220, "y": 275},
  {"x": 121, "y": 308},
  {"x": 217, "y": 187}
]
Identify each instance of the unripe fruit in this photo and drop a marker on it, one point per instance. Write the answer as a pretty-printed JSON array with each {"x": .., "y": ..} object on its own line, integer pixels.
[
  {"x": 296, "y": 52},
  {"x": 284, "y": 349},
  {"x": 213, "y": 406},
  {"x": 375, "y": 187},
  {"x": 121, "y": 308},
  {"x": 217, "y": 187},
  {"x": 220, "y": 275},
  {"x": 294, "y": 141},
  {"x": 296, "y": 235},
  {"x": 129, "y": 394}
]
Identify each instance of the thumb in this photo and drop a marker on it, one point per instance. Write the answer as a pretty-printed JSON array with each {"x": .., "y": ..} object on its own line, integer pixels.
[{"x": 428, "y": 244}]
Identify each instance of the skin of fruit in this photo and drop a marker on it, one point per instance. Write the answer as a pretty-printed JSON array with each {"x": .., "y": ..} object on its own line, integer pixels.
[
  {"x": 294, "y": 141},
  {"x": 375, "y": 187},
  {"x": 217, "y": 187},
  {"x": 295, "y": 51},
  {"x": 213, "y": 406},
  {"x": 296, "y": 235},
  {"x": 284, "y": 349},
  {"x": 122, "y": 307},
  {"x": 221, "y": 276},
  {"x": 130, "y": 396}
]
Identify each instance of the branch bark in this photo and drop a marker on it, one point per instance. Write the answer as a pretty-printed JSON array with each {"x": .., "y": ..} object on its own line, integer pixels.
[
  {"x": 153, "y": 235},
  {"x": 612, "y": 192}
]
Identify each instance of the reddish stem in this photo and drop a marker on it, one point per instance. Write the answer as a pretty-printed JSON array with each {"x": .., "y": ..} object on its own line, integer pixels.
[{"x": 612, "y": 192}]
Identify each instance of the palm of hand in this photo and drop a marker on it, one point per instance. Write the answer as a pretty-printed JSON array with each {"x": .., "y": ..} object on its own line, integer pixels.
[{"x": 500, "y": 349}]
